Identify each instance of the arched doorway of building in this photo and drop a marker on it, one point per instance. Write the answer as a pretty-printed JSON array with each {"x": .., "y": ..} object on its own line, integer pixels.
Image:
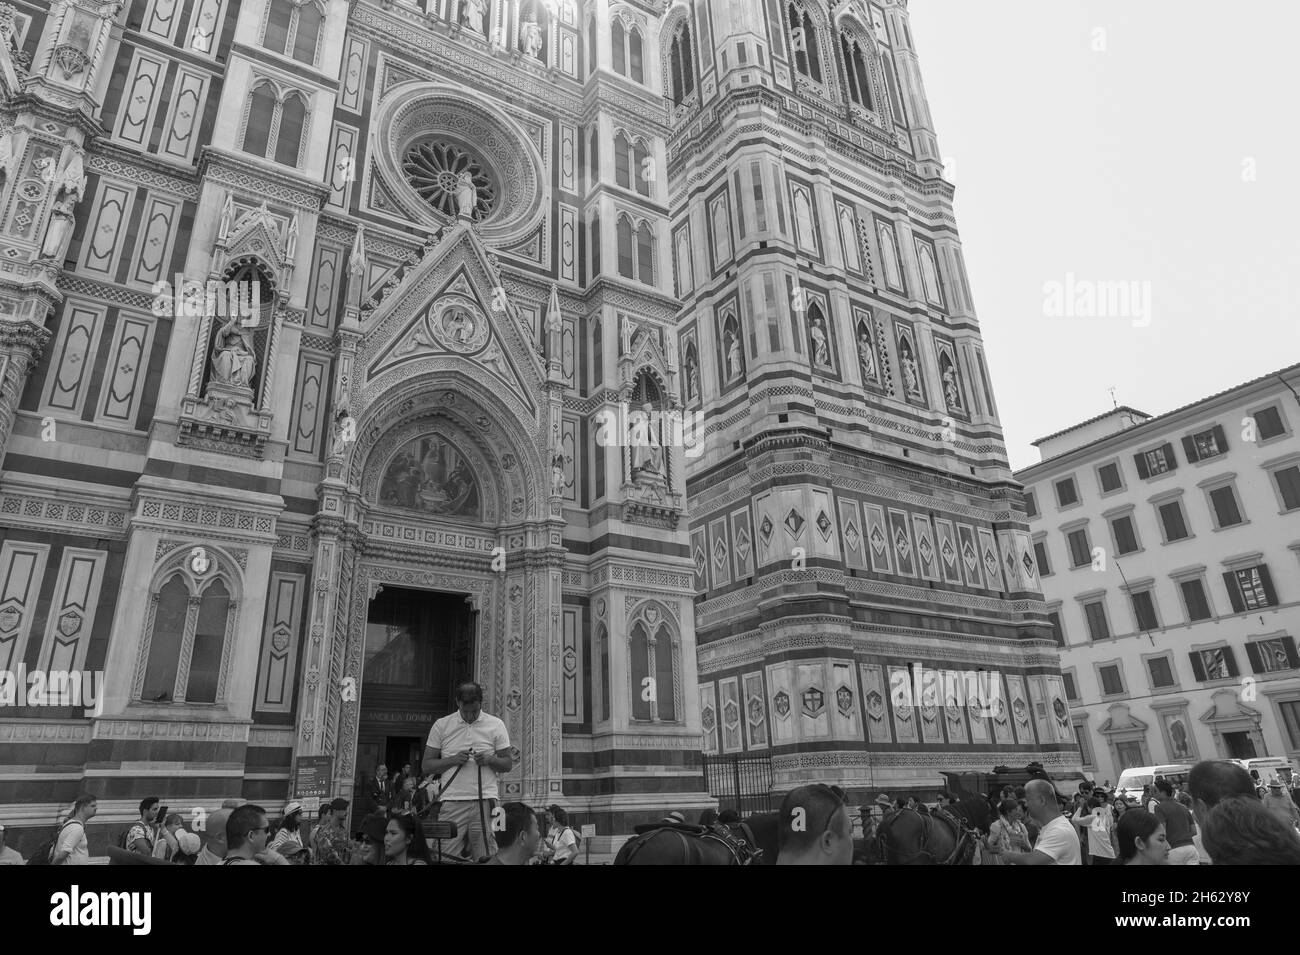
[{"x": 418, "y": 645}]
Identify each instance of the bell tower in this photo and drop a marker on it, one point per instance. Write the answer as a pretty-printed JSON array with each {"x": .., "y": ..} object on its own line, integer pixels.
[{"x": 863, "y": 569}]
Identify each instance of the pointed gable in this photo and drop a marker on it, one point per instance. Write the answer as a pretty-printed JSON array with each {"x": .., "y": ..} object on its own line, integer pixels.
[{"x": 451, "y": 308}]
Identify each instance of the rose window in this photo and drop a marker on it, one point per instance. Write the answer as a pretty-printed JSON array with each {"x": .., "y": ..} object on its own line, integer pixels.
[{"x": 436, "y": 171}]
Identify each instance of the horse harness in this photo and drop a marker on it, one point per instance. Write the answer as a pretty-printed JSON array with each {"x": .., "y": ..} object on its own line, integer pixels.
[
  {"x": 961, "y": 840},
  {"x": 741, "y": 846}
]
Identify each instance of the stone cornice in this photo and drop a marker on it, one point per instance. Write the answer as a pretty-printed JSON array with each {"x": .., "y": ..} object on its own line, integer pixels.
[{"x": 256, "y": 179}]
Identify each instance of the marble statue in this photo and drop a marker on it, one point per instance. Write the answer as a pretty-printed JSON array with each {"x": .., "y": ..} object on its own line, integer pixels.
[
  {"x": 466, "y": 195},
  {"x": 647, "y": 455},
  {"x": 530, "y": 36},
  {"x": 866, "y": 355},
  {"x": 820, "y": 353},
  {"x": 471, "y": 14},
  {"x": 233, "y": 359}
]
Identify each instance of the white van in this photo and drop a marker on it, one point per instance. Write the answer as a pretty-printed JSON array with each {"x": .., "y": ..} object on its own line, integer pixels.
[
  {"x": 1264, "y": 769},
  {"x": 1132, "y": 780}
]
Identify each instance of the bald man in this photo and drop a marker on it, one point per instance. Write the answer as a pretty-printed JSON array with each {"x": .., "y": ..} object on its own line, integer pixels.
[
  {"x": 215, "y": 850},
  {"x": 1058, "y": 843},
  {"x": 815, "y": 828}
]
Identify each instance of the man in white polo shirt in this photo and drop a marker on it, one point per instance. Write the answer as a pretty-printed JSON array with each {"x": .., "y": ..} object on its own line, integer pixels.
[
  {"x": 1058, "y": 843},
  {"x": 469, "y": 748}
]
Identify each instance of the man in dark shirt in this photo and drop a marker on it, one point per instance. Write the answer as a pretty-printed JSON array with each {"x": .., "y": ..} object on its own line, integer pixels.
[{"x": 1178, "y": 825}]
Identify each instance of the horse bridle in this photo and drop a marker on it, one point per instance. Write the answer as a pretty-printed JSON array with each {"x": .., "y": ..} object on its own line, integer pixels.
[{"x": 962, "y": 834}]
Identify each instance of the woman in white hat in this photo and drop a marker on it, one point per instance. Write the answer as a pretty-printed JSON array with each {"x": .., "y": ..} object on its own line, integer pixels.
[{"x": 289, "y": 827}]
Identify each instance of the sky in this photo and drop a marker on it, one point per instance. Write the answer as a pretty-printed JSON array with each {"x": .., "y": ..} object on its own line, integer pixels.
[{"x": 1151, "y": 143}]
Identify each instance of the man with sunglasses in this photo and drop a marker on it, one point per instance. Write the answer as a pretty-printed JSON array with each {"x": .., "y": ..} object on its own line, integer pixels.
[
  {"x": 246, "y": 832},
  {"x": 470, "y": 749},
  {"x": 815, "y": 828}
]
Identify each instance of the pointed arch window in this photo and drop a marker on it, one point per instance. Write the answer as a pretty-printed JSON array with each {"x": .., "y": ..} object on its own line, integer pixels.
[
  {"x": 681, "y": 64},
  {"x": 643, "y": 170},
  {"x": 636, "y": 56},
  {"x": 618, "y": 47},
  {"x": 855, "y": 70},
  {"x": 803, "y": 42},
  {"x": 593, "y": 47},
  {"x": 652, "y": 664},
  {"x": 626, "y": 266},
  {"x": 293, "y": 29},
  {"x": 293, "y": 120},
  {"x": 645, "y": 254},
  {"x": 189, "y": 630},
  {"x": 277, "y": 123},
  {"x": 622, "y": 160},
  {"x": 628, "y": 48},
  {"x": 595, "y": 244}
]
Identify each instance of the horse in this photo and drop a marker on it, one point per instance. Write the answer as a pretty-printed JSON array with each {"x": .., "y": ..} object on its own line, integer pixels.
[
  {"x": 912, "y": 837},
  {"x": 750, "y": 842}
]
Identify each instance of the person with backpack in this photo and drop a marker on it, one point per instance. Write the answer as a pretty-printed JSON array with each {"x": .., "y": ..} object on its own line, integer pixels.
[
  {"x": 71, "y": 847},
  {"x": 561, "y": 839},
  {"x": 140, "y": 837}
]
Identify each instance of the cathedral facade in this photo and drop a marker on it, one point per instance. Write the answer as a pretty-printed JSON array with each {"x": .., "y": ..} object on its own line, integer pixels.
[{"x": 617, "y": 355}]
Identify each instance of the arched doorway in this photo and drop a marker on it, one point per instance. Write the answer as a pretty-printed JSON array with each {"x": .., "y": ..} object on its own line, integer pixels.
[{"x": 418, "y": 645}]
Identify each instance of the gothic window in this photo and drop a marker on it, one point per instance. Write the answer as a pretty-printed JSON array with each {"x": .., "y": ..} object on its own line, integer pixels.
[
  {"x": 636, "y": 250},
  {"x": 889, "y": 256},
  {"x": 855, "y": 69},
  {"x": 594, "y": 156},
  {"x": 188, "y": 630},
  {"x": 293, "y": 29},
  {"x": 653, "y": 653},
  {"x": 595, "y": 244},
  {"x": 625, "y": 255},
  {"x": 929, "y": 274},
  {"x": 618, "y": 46},
  {"x": 803, "y": 42},
  {"x": 721, "y": 216},
  {"x": 593, "y": 46},
  {"x": 643, "y": 167},
  {"x": 849, "y": 239},
  {"x": 261, "y": 113},
  {"x": 645, "y": 254},
  {"x": 277, "y": 123},
  {"x": 685, "y": 280},
  {"x": 437, "y": 168},
  {"x": 681, "y": 64},
  {"x": 805, "y": 229},
  {"x": 636, "y": 55},
  {"x": 293, "y": 117},
  {"x": 628, "y": 48},
  {"x": 622, "y": 161}
]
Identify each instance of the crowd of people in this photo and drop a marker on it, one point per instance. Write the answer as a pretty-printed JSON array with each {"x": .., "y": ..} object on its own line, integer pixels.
[{"x": 1222, "y": 817}]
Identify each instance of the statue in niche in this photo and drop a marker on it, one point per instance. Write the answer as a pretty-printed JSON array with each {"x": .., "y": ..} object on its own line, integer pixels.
[
  {"x": 68, "y": 188},
  {"x": 951, "y": 393},
  {"x": 233, "y": 358},
  {"x": 530, "y": 36},
  {"x": 866, "y": 354},
  {"x": 466, "y": 195},
  {"x": 557, "y": 474},
  {"x": 692, "y": 375},
  {"x": 821, "y": 354},
  {"x": 471, "y": 14},
  {"x": 647, "y": 454},
  {"x": 459, "y": 326},
  {"x": 911, "y": 374},
  {"x": 735, "y": 361}
]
